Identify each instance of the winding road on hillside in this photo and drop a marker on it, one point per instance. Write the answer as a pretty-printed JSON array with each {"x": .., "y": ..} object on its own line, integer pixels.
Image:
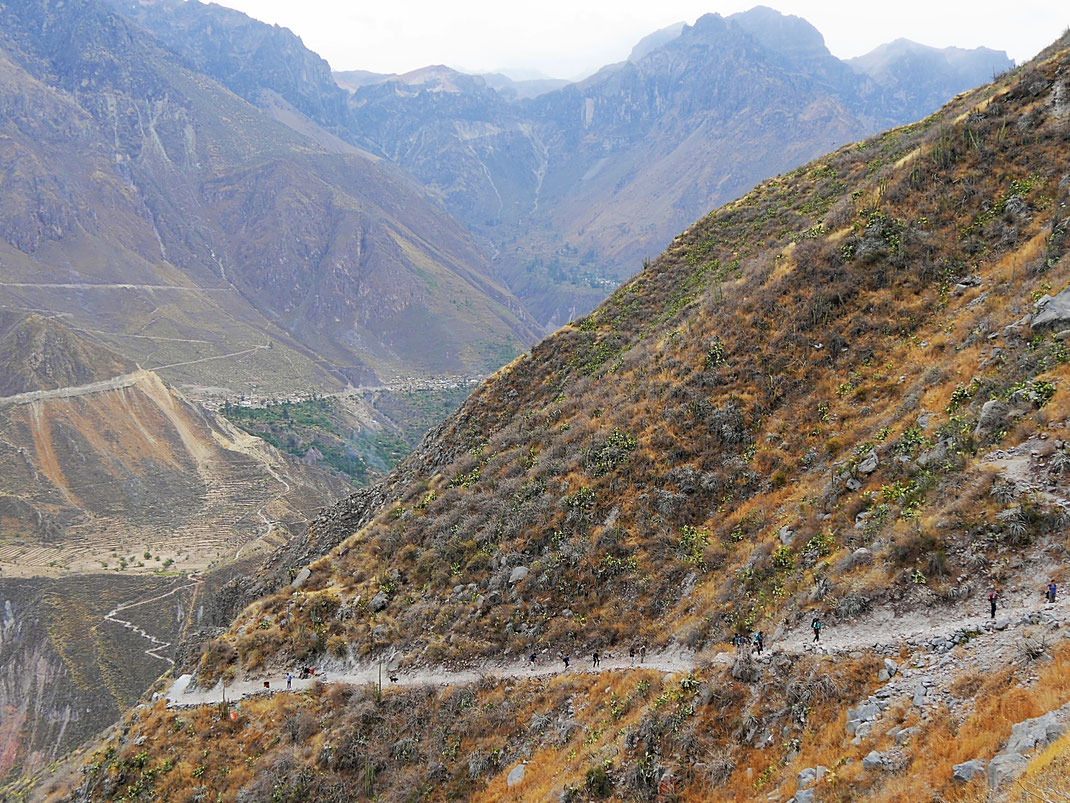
[
  {"x": 881, "y": 633},
  {"x": 158, "y": 644}
]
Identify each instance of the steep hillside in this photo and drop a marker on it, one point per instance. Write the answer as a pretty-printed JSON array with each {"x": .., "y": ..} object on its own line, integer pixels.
[
  {"x": 733, "y": 383},
  {"x": 199, "y": 237},
  {"x": 96, "y": 475},
  {"x": 38, "y": 354},
  {"x": 843, "y": 396}
]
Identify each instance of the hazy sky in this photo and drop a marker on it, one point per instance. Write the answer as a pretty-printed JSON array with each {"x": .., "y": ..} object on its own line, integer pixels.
[{"x": 567, "y": 38}]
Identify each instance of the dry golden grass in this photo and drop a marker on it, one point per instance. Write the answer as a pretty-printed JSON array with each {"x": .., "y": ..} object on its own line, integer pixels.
[{"x": 1047, "y": 778}]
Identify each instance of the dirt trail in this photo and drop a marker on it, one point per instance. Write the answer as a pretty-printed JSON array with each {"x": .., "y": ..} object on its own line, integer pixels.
[
  {"x": 158, "y": 644},
  {"x": 880, "y": 632},
  {"x": 886, "y": 629},
  {"x": 115, "y": 383}
]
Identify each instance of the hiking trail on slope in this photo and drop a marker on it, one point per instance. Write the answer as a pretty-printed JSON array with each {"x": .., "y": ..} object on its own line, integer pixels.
[{"x": 883, "y": 632}]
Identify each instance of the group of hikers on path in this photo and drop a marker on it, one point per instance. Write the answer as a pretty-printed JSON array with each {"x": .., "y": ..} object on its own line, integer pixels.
[
  {"x": 596, "y": 657},
  {"x": 995, "y": 597},
  {"x": 754, "y": 644}
]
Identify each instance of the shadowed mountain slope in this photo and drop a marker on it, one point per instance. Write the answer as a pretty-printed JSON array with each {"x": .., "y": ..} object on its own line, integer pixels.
[{"x": 145, "y": 201}]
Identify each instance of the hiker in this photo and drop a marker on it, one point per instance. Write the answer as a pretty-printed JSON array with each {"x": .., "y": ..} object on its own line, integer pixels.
[
  {"x": 565, "y": 659},
  {"x": 759, "y": 642},
  {"x": 531, "y": 660},
  {"x": 594, "y": 659},
  {"x": 816, "y": 627},
  {"x": 1050, "y": 594},
  {"x": 642, "y": 650},
  {"x": 993, "y": 598},
  {"x": 631, "y": 655},
  {"x": 289, "y": 681}
]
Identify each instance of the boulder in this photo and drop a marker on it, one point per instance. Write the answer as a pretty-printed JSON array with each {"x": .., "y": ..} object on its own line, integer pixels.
[
  {"x": 936, "y": 455},
  {"x": 1005, "y": 768},
  {"x": 1036, "y": 732},
  {"x": 920, "y": 694},
  {"x": 378, "y": 602},
  {"x": 518, "y": 574},
  {"x": 869, "y": 463},
  {"x": 515, "y": 776},
  {"x": 301, "y": 577},
  {"x": 891, "y": 666},
  {"x": 905, "y": 735},
  {"x": 745, "y": 669},
  {"x": 864, "y": 712},
  {"x": 852, "y": 484},
  {"x": 968, "y": 770},
  {"x": 874, "y": 761},
  {"x": 993, "y": 416},
  {"x": 809, "y": 776},
  {"x": 804, "y": 796},
  {"x": 787, "y": 535},
  {"x": 1055, "y": 313}
]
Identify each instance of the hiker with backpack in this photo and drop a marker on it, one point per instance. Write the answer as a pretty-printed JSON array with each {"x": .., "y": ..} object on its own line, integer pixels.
[
  {"x": 594, "y": 659},
  {"x": 993, "y": 598},
  {"x": 1050, "y": 593},
  {"x": 816, "y": 627}
]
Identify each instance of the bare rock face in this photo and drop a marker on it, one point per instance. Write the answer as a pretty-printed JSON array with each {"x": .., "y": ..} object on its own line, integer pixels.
[{"x": 1055, "y": 313}]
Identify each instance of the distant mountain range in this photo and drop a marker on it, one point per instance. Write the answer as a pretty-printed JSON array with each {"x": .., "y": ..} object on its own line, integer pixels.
[
  {"x": 144, "y": 201},
  {"x": 570, "y": 187}
]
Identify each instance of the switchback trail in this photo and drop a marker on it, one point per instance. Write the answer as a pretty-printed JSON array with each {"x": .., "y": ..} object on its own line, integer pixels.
[
  {"x": 158, "y": 644},
  {"x": 880, "y": 632}
]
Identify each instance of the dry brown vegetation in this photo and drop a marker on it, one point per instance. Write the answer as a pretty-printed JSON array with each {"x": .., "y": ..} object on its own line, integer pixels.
[{"x": 732, "y": 388}]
